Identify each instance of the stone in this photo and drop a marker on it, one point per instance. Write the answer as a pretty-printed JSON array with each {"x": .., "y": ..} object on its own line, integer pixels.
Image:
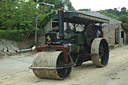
[{"x": 5, "y": 49}]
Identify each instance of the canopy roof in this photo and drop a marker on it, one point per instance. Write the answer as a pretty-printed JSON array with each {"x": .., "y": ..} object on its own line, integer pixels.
[{"x": 80, "y": 18}]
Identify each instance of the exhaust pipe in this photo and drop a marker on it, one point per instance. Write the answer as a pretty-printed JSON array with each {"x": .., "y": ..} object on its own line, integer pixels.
[
  {"x": 25, "y": 50},
  {"x": 61, "y": 23}
]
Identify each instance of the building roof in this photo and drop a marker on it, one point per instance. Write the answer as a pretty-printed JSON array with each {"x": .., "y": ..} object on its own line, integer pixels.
[{"x": 96, "y": 14}]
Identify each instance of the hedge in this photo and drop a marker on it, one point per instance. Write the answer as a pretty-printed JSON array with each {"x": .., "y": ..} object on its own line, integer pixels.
[{"x": 16, "y": 35}]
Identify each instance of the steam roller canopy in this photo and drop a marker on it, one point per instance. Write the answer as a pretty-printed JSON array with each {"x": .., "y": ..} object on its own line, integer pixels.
[{"x": 49, "y": 64}]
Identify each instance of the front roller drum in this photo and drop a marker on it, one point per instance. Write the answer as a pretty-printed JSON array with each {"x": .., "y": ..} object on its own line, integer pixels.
[
  {"x": 100, "y": 50},
  {"x": 50, "y": 65}
]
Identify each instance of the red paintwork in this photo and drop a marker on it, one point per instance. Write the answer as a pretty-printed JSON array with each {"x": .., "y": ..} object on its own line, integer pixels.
[{"x": 56, "y": 47}]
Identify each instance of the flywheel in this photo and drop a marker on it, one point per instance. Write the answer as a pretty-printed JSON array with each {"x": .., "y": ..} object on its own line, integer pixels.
[
  {"x": 89, "y": 34},
  {"x": 50, "y": 64},
  {"x": 100, "y": 51}
]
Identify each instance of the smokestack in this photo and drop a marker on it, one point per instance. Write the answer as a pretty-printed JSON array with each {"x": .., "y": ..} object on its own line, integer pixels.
[{"x": 61, "y": 23}]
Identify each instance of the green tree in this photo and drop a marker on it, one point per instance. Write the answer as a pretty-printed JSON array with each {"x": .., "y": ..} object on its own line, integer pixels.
[
  {"x": 70, "y": 7},
  {"x": 123, "y": 10},
  {"x": 104, "y": 12},
  {"x": 124, "y": 19},
  {"x": 116, "y": 14},
  {"x": 17, "y": 15}
]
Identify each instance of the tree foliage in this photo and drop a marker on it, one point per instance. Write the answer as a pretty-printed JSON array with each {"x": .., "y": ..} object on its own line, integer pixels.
[
  {"x": 20, "y": 16},
  {"x": 104, "y": 12},
  {"x": 17, "y": 15},
  {"x": 124, "y": 19},
  {"x": 121, "y": 15}
]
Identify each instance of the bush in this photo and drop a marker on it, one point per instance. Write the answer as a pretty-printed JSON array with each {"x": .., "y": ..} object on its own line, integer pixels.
[
  {"x": 17, "y": 17},
  {"x": 16, "y": 35},
  {"x": 17, "y": 14}
]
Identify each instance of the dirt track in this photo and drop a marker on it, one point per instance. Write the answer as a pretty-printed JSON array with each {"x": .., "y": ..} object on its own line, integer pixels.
[{"x": 14, "y": 71}]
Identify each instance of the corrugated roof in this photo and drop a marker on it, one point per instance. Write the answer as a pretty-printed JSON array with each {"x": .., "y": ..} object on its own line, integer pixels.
[{"x": 96, "y": 14}]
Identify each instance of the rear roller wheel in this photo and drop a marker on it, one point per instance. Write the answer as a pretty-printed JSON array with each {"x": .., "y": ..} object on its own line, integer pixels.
[
  {"x": 50, "y": 62},
  {"x": 100, "y": 51}
]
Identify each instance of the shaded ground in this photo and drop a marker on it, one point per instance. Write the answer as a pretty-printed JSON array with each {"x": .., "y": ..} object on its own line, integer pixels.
[{"x": 14, "y": 71}]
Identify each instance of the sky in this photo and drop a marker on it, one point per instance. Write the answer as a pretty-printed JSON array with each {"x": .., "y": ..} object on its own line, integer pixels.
[{"x": 96, "y": 5}]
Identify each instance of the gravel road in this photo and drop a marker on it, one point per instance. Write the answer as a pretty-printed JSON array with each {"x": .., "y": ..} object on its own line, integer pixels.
[{"x": 14, "y": 71}]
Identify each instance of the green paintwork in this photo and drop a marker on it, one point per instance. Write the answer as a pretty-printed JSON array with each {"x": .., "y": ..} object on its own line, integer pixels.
[
  {"x": 79, "y": 42},
  {"x": 73, "y": 48},
  {"x": 76, "y": 49},
  {"x": 80, "y": 39}
]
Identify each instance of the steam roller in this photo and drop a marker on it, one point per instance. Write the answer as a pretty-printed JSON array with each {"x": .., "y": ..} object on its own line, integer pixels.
[
  {"x": 50, "y": 65},
  {"x": 72, "y": 47}
]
